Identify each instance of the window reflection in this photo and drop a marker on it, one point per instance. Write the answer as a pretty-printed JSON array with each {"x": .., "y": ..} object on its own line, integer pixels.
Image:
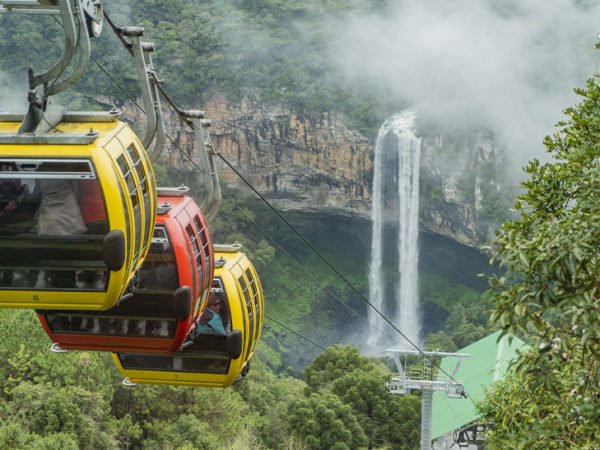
[
  {"x": 148, "y": 313},
  {"x": 180, "y": 362},
  {"x": 52, "y": 225},
  {"x": 159, "y": 271},
  {"x": 113, "y": 326}
]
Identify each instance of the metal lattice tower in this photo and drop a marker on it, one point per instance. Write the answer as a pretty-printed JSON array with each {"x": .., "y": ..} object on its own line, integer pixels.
[{"x": 426, "y": 379}]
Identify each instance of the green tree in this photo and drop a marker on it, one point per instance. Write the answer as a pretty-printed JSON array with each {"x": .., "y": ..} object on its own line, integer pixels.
[
  {"x": 440, "y": 341},
  {"x": 191, "y": 431},
  {"x": 269, "y": 397},
  {"x": 72, "y": 410},
  {"x": 359, "y": 382},
  {"x": 333, "y": 364},
  {"x": 527, "y": 415},
  {"x": 13, "y": 436},
  {"x": 325, "y": 422},
  {"x": 549, "y": 292},
  {"x": 385, "y": 418}
]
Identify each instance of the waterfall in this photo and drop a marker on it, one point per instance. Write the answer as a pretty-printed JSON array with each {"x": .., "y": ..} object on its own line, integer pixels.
[{"x": 395, "y": 205}]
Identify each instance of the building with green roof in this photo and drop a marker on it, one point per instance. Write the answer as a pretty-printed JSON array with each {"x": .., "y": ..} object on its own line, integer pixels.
[{"x": 488, "y": 361}]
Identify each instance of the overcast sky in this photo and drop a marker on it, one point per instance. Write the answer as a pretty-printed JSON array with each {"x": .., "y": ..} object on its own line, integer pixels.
[{"x": 513, "y": 64}]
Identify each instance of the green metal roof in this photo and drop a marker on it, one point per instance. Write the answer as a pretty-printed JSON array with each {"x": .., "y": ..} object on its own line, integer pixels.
[{"x": 488, "y": 362}]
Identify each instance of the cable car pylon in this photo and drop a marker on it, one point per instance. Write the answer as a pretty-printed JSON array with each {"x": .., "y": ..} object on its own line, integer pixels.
[{"x": 427, "y": 381}]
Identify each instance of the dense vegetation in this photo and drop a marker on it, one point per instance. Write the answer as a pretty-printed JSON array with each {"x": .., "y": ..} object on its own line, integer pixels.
[
  {"x": 549, "y": 295},
  {"x": 76, "y": 401}
]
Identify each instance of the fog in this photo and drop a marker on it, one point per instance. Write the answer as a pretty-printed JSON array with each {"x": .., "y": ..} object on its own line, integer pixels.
[
  {"x": 511, "y": 66},
  {"x": 13, "y": 93}
]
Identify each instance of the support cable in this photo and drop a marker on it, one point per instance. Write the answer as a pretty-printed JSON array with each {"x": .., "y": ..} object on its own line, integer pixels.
[
  {"x": 297, "y": 334},
  {"x": 119, "y": 32},
  {"x": 122, "y": 89}
]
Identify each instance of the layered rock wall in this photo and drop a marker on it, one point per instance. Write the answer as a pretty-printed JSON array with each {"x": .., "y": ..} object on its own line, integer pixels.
[{"x": 317, "y": 166}]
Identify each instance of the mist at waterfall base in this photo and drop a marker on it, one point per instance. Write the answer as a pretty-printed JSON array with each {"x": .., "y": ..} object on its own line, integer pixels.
[{"x": 508, "y": 66}]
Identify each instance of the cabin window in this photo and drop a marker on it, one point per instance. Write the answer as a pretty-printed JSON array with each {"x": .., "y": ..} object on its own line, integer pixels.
[
  {"x": 147, "y": 169},
  {"x": 217, "y": 285},
  {"x": 148, "y": 313},
  {"x": 159, "y": 270},
  {"x": 199, "y": 260},
  {"x": 145, "y": 187},
  {"x": 254, "y": 290},
  {"x": 103, "y": 325},
  {"x": 53, "y": 220},
  {"x": 191, "y": 268},
  {"x": 248, "y": 300},
  {"x": 194, "y": 363},
  {"x": 134, "y": 194},
  {"x": 125, "y": 213},
  {"x": 205, "y": 253},
  {"x": 212, "y": 319},
  {"x": 219, "y": 289}
]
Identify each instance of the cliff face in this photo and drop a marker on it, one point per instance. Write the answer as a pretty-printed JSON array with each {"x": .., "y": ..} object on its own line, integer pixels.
[
  {"x": 315, "y": 166},
  {"x": 320, "y": 166},
  {"x": 462, "y": 196}
]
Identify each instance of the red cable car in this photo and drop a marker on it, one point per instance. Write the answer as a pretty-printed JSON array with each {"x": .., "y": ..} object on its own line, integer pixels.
[{"x": 165, "y": 298}]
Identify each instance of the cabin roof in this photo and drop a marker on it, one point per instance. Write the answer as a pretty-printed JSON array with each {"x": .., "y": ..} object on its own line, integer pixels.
[
  {"x": 97, "y": 126},
  {"x": 177, "y": 203},
  {"x": 230, "y": 257}
]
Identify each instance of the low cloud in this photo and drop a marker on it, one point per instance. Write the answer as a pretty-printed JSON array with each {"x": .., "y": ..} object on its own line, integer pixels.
[
  {"x": 13, "y": 93},
  {"x": 511, "y": 65}
]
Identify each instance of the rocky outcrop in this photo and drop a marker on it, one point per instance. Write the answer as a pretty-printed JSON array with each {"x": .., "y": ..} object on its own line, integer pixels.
[
  {"x": 313, "y": 165},
  {"x": 462, "y": 196}
]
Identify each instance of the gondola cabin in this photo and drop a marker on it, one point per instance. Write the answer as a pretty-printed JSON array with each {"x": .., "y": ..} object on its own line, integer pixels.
[
  {"x": 168, "y": 292},
  {"x": 77, "y": 211},
  {"x": 214, "y": 358}
]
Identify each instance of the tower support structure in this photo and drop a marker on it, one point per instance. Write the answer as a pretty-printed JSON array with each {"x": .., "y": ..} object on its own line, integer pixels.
[{"x": 426, "y": 378}]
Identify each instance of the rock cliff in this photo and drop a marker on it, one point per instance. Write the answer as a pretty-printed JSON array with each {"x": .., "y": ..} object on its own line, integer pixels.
[
  {"x": 300, "y": 163},
  {"x": 462, "y": 193}
]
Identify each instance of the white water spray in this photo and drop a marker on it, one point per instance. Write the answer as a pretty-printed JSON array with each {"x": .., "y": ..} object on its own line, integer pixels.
[{"x": 397, "y": 156}]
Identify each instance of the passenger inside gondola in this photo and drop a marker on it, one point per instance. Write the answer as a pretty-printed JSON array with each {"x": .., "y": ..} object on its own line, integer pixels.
[
  {"x": 59, "y": 215},
  {"x": 16, "y": 216},
  {"x": 211, "y": 320},
  {"x": 17, "y": 202}
]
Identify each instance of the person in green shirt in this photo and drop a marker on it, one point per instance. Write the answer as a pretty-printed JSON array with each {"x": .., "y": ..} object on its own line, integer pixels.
[{"x": 210, "y": 320}]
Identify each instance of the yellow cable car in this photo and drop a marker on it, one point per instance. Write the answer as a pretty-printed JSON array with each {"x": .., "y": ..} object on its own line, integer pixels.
[
  {"x": 214, "y": 359},
  {"x": 77, "y": 212}
]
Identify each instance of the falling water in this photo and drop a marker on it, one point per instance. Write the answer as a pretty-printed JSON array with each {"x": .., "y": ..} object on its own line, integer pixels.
[{"x": 397, "y": 154}]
